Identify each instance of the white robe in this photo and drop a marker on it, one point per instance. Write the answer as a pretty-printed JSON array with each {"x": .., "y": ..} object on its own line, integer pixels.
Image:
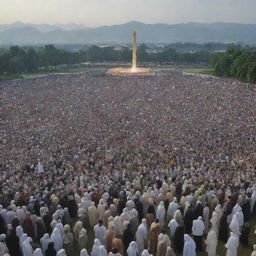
[
  {"x": 132, "y": 250},
  {"x": 19, "y": 232},
  {"x": 142, "y": 235},
  {"x": 22, "y": 240},
  {"x": 211, "y": 243},
  {"x": 173, "y": 224},
  {"x": 61, "y": 252},
  {"x": 160, "y": 213},
  {"x": 27, "y": 248},
  {"x": 96, "y": 248},
  {"x": 234, "y": 226},
  {"x": 38, "y": 252},
  {"x": 173, "y": 206},
  {"x": 45, "y": 240},
  {"x": 146, "y": 253},
  {"x": 103, "y": 251},
  {"x": 118, "y": 228},
  {"x": 206, "y": 214},
  {"x": 101, "y": 209},
  {"x": 232, "y": 245},
  {"x": 189, "y": 246},
  {"x": 40, "y": 168},
  {"x": 214, "y": 222},
  {"x": 57, "y": 239},
  {"x": 198, "y": 227},
  {"x": 100, "y": 233}
]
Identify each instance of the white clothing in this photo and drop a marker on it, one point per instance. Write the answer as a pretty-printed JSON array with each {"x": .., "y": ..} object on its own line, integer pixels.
[
  {"x": 142, "y": 235},
  {"x": 22, "y": 239},
  {"x": 40, "y": 168},
  {"x": 211, "y": 243},
  {"x": 198, "y": 227},
  {"x": 27, "y": 248},
  {"x": 38, "y": 252},
  {"x": 96, "y": 248},
  {"x": 173, "y": 224},
  {"x": 100, "y": 233},
  {"x": 57, "y": 239},
  {"x": 132, "y": 250},
  {"x": 103, "y": 251},
  {"x": 234, "y": 226},
  {"x": 19, "y": 232},
  {"x": 61, "y": 252},
  {"x": 84, "y": 252},
  {"x": 146, "y": 253},
  {"x": 45, "y": 240},
  {"x": 160, "y": 213},
  {"x": 206, "y": 214},
  {"x": 189, "y": 246},
  {"x": 232, "y": 245},
  {"x": 173, "y": 206}
]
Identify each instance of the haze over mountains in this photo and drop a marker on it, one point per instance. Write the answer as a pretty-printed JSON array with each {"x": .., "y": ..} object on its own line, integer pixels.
[{"x": 29, "y": 34}]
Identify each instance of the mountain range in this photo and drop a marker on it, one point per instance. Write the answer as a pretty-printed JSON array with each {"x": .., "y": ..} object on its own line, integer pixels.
[{"x": 30, "y": 34}]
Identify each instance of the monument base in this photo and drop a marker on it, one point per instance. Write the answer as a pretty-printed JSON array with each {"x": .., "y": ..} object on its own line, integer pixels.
[{"x": 116, "y": 71}]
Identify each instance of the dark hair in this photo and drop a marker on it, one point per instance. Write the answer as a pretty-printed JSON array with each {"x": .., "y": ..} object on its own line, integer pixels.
[{"x": 115, "y": 250}]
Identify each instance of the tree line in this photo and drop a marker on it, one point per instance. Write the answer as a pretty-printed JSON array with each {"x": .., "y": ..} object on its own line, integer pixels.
[
  {"x": 18, "y": 60},
  {"x": 236, "y": 62}
]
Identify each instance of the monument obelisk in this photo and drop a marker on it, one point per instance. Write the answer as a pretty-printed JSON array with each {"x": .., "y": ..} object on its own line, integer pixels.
[{"x": 134, "y": 52}]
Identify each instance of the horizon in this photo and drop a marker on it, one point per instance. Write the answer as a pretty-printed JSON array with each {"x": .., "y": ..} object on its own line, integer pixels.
[{"x": 131, "y": 21}]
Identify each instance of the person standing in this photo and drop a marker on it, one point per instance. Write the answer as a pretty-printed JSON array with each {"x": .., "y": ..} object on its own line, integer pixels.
[
  {"x": 100, "y": 232},
  {"x": 154, "y": 232},
  {"x": 211, "y": 243},
  {"x": 189, "y": 246},
  {"x": 198, "y": 232}
]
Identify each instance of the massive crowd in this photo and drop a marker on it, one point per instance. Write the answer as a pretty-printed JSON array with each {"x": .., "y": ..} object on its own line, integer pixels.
[{"x": 158, "y": 165}]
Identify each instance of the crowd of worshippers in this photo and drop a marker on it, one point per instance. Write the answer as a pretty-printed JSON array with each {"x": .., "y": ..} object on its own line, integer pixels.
[
  {"x": 115, "y": 165},
  {"x": 160, "y": 213}
]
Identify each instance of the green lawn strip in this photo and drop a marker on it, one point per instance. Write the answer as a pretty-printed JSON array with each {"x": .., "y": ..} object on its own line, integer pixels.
[
  {"x": 38, "y": 74},
  {"x": 204, "y": 71}
]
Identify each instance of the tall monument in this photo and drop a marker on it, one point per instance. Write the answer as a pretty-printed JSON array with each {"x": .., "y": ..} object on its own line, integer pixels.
[{"x": 134, "y": 52}]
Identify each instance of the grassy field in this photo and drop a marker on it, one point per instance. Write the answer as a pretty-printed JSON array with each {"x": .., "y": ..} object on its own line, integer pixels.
[
  {"x": 203, "y": 71},
  {"x": 41, "y": 73}
]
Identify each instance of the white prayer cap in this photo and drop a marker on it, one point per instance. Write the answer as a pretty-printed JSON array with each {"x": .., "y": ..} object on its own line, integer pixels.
[{"x": 2, "y": 237}]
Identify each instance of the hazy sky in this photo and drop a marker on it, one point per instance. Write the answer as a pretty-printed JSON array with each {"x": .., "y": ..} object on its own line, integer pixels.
[{"x": 107, "y": 12}]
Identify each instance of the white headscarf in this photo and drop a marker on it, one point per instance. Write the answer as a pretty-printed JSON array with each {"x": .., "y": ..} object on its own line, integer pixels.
[
  {"x": 57, "y": 239},
  {"x": 103, "y": 251},
  {"x": 2, "y": 237},
  {"x": 146, "y": 253},
  {"x": 84, "y": 253},
  {"x": 19, "y": 231},
  {"x": 45, "y": 240},
  {"x": 96, "y": 248},
  {"x": 27, "y": 248},
  {"x": 22, "y": 239},
  {"x": 61, "y": 252},
  {"x": 189, "y": 246},
  {"x": 38, "y": 252},
  {"x": 132, "y": 249}
]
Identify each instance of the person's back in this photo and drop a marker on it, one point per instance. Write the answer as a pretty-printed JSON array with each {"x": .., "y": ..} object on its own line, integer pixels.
[{"x": 50, "y": 250}]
